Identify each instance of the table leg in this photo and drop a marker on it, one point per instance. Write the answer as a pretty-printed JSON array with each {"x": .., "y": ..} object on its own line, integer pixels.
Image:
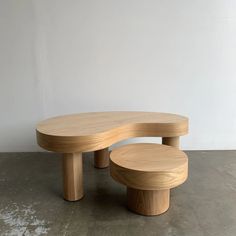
[
  {"x": 73, "y": 176},
  {"x": 171, "y": 141},
  {"x": 101, "y": 158},
  {"x": 148, "y": 202}
]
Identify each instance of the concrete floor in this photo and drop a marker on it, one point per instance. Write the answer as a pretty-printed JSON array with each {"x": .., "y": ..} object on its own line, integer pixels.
[{"x": 31, "y": 201}]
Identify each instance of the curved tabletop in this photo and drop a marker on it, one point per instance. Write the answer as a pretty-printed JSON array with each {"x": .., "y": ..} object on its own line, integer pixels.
[
  {"x": 97, "y": 130},
  {"x": 149, "y": 166}
]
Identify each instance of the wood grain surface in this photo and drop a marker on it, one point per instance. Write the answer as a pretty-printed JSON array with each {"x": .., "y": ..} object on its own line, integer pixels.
[
  {"x": 148, "y": 202},
  {"x": 101, "y": 158},
  {"x": 86, "y": 132},
  {"x": 73, "y": 176},
  {"x": 148, "y": 166}
]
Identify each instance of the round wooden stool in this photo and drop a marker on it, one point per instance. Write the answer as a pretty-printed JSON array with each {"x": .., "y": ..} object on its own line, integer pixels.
[{"x": 149, "y": 171}]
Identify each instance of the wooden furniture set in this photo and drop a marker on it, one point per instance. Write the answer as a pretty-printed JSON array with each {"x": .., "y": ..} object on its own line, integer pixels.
[{"x": 148, "y": 170}]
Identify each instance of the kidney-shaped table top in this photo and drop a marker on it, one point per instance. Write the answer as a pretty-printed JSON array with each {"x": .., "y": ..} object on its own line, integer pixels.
[{"x": 93, "y": 131}]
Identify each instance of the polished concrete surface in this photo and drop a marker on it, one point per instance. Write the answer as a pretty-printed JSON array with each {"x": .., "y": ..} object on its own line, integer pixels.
[{"x": 31, "y": 199}]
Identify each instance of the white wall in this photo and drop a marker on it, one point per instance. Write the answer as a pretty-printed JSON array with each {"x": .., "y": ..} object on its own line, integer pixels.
[{"x": 59, "y": 57}]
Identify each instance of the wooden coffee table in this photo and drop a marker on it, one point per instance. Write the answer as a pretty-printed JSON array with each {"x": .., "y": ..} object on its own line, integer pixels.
[{"x": 85, "y": 132}]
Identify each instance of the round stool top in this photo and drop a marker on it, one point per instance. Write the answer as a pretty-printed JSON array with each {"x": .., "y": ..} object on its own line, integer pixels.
[{"x": 149, "y": 166}]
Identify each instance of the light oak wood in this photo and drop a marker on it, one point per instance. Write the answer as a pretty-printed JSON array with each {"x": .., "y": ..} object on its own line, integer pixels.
[
  {"x": 101, "y": 158},
  {"x": 94, "y": 131},
  {"x": 171, "y": 141},
  {"x": 73, "y": 176},
  {"x": 149, "y": 166},
  {"x": 149, "y": 171},
  {"x": 148, "y": 202}
]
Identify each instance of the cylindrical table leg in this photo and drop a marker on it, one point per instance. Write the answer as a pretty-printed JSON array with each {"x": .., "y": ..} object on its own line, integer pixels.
[
  {"x": 171, "y": 141},
  {"x": 73, "y": 176},
  {"x": 148, "y": 202},
  {"x": 101, "y": 158}
]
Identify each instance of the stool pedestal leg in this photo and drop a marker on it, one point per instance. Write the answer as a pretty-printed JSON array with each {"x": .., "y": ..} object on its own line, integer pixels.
[
  {"x": 73, "y": 176},
  {"x": 171, "y": 141},
  {"x": 148, "y": 202},
  {"x": 101, "y": 158}
]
